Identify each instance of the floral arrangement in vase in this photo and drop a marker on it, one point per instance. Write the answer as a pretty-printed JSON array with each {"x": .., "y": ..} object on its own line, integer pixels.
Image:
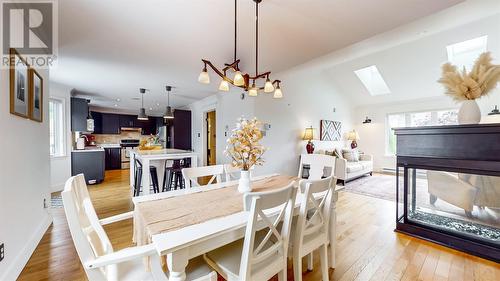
[
  {"x": 466, "y": 86},
  {"x": 244, "y": 149}
]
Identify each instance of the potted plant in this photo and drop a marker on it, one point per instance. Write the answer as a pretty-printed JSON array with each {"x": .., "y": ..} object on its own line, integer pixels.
[
  {"x": 244, "y": 150},
  {"x": 466, "y": 87}
]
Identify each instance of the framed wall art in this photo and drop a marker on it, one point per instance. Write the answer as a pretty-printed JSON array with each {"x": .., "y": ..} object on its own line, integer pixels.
[
  {"x": 36, "y": 96},
  {"x": 19, "y": 96},
  {"x": 330, "y": 130}
]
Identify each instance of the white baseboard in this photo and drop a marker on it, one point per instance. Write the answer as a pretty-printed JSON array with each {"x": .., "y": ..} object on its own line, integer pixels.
[{"x": 24, "y": 255}]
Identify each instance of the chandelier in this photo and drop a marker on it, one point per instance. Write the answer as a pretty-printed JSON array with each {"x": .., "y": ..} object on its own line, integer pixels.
[{"x": 239, "y": 79}]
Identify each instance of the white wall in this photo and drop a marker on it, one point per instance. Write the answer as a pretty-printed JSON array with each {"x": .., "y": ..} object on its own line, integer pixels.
[
  {"x": 229, "y": 107},
  {"x": 60, "y": 167},
  {"x": 24, "y": 181},
  {"x": 308, "y": 98}
]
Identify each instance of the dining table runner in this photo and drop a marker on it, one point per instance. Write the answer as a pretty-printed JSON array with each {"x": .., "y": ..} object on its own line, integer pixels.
[{"x": 169, "y": 214}]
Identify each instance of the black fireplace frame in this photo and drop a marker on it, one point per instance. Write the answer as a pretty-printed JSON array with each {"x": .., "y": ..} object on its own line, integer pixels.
[{"x": 425, "y": 148}]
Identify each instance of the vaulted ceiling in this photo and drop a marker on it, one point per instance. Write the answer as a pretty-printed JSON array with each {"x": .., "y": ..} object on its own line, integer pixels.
[{"x": 110, "y": 48}]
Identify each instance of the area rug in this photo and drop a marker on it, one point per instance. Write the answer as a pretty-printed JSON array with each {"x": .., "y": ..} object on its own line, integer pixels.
[{"x": 379, "y": 186}]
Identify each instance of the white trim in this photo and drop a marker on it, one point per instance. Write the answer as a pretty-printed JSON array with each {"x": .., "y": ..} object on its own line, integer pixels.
[
  {"x": 20, "y": 261},
  {"x": 63, "y": 125},
  {"x": 57, "y": 188}
]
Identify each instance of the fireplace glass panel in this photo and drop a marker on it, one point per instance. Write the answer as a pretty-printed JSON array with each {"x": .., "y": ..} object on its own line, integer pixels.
[{"x": 467, "y": 205}]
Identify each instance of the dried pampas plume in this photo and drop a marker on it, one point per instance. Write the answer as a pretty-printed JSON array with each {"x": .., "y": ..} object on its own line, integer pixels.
[{"x": 463, "y": 85}]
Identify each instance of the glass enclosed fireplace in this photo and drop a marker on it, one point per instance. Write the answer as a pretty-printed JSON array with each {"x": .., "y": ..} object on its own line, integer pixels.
[{"x": 448, "y": 187}]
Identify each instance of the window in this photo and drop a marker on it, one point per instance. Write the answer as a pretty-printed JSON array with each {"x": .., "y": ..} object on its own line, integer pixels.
[
  {"x": 56, "y": 127},
  {"x": 373, "y": 81},
  {"x": 416, "y": 119},
  {"x": 465, "y": 53}
]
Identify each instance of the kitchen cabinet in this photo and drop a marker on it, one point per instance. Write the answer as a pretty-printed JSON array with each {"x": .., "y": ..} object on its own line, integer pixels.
[
  {"x": 79, "y": 112},
  {"x": 113, "y": 158},
  {"x": 110, "y": 124},
  {"x": 181, "y": 130},
  {"x": 97, "y": 116},
  {"x": 90, "y": 163},
  {"x": 147, "y": 127},
  {"x": 128, "y": 121}
]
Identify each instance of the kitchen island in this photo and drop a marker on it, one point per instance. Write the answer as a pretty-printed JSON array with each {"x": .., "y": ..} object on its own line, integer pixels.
[{"x": 158, "y": 159}]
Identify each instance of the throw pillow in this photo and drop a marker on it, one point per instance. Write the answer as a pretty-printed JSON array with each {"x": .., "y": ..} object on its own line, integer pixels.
[
  {"x": 351, "y": 155},
  {"x": 330, "y": 153}
]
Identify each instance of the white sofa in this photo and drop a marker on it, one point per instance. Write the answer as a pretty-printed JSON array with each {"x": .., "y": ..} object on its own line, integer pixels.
[{"x": 346, "y": 170}]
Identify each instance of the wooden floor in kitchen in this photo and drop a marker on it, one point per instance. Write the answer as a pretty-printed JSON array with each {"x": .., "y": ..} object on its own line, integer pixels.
[{"x": 367, "y": 249}]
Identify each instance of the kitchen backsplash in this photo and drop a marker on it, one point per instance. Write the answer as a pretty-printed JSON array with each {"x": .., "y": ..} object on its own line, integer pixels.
[{"x": 101, "y": 139}]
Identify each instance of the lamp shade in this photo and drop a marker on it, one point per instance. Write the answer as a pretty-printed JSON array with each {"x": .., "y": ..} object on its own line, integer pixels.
[
  {"x": 142, "y": 115},
  {"x": 224, "y": 86},
  {"x": 278, "y": 94},
  {"x": 238, "y": 79},
  {"x": 353, "y": 135},
  {"x": 169, "y": 114},
  {"x": 268, "y": 87},
  {"x": 308, "y": 134},
  {"x": 204, "y": 78}
]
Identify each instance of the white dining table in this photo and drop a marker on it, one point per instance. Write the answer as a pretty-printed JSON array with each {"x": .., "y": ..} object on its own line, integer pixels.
[
  {"x": 149, "y": 157},
  {"x": 181, "y": 245}
]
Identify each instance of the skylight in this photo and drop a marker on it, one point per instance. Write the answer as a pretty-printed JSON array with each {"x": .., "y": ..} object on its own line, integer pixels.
[
  {"x": 466, "y": 52},
  {"x": 373, "y": 81}
]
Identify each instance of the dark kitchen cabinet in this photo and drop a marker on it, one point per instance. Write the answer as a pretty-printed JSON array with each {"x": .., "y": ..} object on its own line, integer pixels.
[
  {"x": 128, "y": 121},
  {"x": 181, "y": 130},
  {"x": 148, "y": 127},
  {"x": 113, "y": 158},
  {"x": 88, "y": 163},
  {"x": 97, "y": 116},
  {"x": 79, "y": 113},
  {"x": 110, "y": 124}
]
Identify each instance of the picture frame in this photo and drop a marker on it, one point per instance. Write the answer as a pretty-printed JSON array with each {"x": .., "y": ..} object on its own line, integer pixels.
[
  {"x": 330, "y": 130},
  {"x": 36, "y": 96},
  {"x": 19, "y": 84}
]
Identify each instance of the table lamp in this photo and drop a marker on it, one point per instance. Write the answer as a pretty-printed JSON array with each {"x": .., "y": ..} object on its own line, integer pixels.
[
  {"x": 353, "y": 136},
  {"x": 308, "y": 136}
]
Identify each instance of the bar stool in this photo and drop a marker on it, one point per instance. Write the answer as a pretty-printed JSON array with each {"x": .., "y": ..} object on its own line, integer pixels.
[
  {"x": 173, "y": 175},
  {"x": 138, "y": 178}
]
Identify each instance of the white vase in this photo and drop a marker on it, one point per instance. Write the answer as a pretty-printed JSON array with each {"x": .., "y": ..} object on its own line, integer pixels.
[
  {"x": 244, "y": 182},
  {"x": 469, "y": 113}
]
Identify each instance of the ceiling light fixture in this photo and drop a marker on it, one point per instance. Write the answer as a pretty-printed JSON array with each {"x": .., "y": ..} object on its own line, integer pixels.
[
  {"x": 142, "y": 112},
  {"x": 168, "y": 113},
  {"x": 242, "y": 80}
]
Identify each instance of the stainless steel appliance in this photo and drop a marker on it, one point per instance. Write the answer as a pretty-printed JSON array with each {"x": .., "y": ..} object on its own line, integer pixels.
[
  {"x": 162, "y": 131},
  {"x": 127, "y": 145}
]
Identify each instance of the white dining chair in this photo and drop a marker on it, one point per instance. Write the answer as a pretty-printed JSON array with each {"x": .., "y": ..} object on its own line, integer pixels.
[
  {"x": 311, "y": 230},
  {"x": 191, "y": 175},
  {"x": 232, "y": 173},
  {"x": 94, "y": 248},
  {"x": 320, "y": 165},
  {"x": 261, "y": 254}
]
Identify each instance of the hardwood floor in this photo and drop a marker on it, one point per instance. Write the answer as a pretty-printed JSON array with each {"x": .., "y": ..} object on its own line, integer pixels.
[{"x": 367, "y": 249}]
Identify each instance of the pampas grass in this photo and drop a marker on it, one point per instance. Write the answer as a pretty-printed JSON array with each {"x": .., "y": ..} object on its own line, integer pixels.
[{"x": 463, "y": 85}]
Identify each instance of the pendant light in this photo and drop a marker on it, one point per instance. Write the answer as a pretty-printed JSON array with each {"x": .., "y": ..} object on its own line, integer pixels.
[
  {"x": 142, "y": 112},
  {"x": 168, "y": 114},
  {"x": 242, "y": 79}
]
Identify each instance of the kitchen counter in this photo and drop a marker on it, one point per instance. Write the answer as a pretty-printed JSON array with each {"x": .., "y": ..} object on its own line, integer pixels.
[
  {"x": 89, "y": 149},
  {"x": 109, "y": 145}
]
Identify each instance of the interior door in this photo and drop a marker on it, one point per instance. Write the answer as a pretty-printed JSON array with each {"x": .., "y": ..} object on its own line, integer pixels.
[{"x": 211, "y": 138}]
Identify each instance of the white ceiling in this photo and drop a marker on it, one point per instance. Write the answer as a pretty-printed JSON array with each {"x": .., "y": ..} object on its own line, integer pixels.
[
  {"x": 411, "y": 70},
  {"x": 111, "y": 48}
]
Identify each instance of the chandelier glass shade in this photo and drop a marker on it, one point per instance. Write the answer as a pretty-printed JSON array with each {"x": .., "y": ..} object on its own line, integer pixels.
[{"x": 240, "y": 79}]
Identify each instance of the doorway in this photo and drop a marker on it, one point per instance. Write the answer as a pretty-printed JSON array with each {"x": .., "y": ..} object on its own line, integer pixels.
[{"x": 211, "y": 138}]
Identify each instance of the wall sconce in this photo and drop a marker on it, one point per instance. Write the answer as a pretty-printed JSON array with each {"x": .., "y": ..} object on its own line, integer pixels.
[{"x": 367, "y": 120}]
